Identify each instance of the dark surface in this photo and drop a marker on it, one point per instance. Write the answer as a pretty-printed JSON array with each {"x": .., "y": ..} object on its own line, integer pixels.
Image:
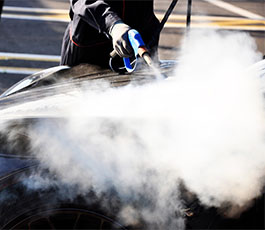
[
  {"x": 201, "y": 218},
  {"x": 1, "y": 6}
]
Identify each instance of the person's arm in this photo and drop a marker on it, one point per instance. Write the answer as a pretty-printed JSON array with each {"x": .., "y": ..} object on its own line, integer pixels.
[
  {"x": 97, "y": 14},
  {"x": 102, "y": 17}
]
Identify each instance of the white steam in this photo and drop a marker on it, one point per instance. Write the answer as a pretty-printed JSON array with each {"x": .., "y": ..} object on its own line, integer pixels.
[{"x": 205, "y": 127}]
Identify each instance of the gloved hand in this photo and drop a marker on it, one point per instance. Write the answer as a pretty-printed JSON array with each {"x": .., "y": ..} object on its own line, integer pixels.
[{"x": 120, "y": 41}]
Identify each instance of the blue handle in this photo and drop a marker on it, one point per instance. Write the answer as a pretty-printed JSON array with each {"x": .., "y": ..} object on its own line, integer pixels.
[
  {"x": 128, "y": 66},
  {"x": 136, "y": 42}
]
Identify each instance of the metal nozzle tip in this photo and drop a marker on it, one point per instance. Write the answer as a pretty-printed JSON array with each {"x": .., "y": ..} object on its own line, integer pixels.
[{"x": 147, "y": 59}]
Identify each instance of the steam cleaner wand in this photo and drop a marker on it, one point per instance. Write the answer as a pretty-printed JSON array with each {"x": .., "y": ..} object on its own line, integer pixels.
[
  {"x": 139, "y": 49},
  {"x": 138, "y": 45}
]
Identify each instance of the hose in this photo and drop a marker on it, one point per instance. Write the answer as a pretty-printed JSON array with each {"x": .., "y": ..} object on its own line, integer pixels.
[
  {"x": 162, "y": 23},
  {"x": 188, "y": 14}
]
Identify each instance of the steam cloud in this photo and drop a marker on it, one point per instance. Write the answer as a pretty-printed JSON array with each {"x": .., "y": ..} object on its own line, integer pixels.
[{"x": 203, "y": 127}]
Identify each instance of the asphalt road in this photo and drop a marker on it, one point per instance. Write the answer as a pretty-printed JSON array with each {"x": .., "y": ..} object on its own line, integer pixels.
[{"x": 31, "y": 31}]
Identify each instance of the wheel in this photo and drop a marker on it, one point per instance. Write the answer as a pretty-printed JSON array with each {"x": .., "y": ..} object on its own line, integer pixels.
[
  {"x": 23, "y": 208},
  {"x": 62, "y": 218}
]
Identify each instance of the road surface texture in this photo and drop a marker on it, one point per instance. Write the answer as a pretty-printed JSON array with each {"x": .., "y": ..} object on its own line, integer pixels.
[{"x": 31, "y": 31}]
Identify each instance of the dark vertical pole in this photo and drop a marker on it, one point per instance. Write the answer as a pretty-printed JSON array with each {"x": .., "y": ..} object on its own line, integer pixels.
[{"x": 188, "y": 13}]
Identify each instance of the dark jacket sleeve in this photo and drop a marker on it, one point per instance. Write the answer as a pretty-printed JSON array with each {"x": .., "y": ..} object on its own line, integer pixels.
[{"x": 97, "y": 14}]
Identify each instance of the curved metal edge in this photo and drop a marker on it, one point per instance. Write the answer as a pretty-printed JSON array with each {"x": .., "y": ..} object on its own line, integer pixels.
[{"x": 30, "y": 80}]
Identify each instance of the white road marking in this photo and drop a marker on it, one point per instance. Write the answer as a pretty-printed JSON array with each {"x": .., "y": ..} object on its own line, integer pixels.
[
  {"x": 235, "y": 9},
  {"x": 35, "y": 10},
  {"x": 18, "y": 70},
  {"x": 25, "y": 56},
  {"x": 36, "y": 18},
  {"x": 33, "y": 57}
]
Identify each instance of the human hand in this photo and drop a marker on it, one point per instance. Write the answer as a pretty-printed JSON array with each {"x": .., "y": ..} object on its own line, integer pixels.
[{"x": 120, "y": 41}]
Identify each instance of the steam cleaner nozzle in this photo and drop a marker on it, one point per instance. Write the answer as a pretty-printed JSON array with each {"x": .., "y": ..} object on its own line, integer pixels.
[
  {"x": 143, "y": 53},
  {"x": 139, "y": 49}
]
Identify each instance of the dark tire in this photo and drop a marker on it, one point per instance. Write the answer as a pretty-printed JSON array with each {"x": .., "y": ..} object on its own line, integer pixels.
[{"x": 22, "y": 208}]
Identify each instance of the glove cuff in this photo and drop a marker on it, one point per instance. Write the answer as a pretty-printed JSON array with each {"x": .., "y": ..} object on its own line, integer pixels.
[
  {"x": 110, "y": 29},
  {"x": 118, "y": 27}
]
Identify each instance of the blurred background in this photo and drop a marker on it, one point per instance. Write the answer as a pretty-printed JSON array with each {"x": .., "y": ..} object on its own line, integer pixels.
[{"x": 31, "y": 31}]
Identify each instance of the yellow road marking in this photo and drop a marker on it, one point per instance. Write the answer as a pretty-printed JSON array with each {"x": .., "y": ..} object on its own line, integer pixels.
[
  {"x": 229, "y": 23},
  {"x": 177, "y": 21},
  {"x": 241, "y": 22},
  {"x": 208, "y": 18},
  {"x": 213, "y": 19},
  {"x": 215, "y": 26}
]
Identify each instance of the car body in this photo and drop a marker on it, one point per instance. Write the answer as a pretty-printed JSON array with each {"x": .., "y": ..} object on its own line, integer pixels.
[{"x": 40, "y": 208}]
